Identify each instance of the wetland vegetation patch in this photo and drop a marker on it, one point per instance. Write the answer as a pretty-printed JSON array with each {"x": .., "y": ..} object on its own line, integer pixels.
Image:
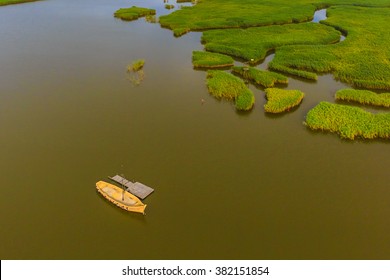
[
  {"x": 349, "y": 122},
  {"x": 281, "y": 100},
  {"x": 136, "y": 65},
  {"x": 362, "y": 59},
  {"x": 235, "y": 13},
  {"x": 253, "y": 44},
  {"x": 133, "y": 13},
  {"x": 10, "y": 2},
  {"x": 260, "y": 77},
  {"x": 135, "y": 71},
  {"x": 201, "y": 59},
  {"x": 225, "y": 85},
  {"x": 365, "y": 97}
]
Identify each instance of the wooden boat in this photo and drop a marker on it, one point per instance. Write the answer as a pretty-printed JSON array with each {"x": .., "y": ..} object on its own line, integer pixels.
[{"x": 120, "y": 197}]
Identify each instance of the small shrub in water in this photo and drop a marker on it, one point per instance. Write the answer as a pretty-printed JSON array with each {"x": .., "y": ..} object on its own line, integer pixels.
[{"x": 225, "y": 85}]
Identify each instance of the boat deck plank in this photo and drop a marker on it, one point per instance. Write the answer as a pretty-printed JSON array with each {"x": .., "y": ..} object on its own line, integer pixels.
[{"x": 137, "y": 188}]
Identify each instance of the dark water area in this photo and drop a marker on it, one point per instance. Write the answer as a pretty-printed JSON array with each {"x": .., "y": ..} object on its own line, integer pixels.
[{"x": 227, "y": 185}]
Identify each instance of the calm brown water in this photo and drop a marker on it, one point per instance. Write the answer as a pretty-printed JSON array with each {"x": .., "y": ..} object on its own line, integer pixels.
[{"x": 227, "y": 185}]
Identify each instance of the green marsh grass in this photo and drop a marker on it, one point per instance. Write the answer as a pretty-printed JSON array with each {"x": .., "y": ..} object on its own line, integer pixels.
[
  {"x": 135, "y": 71},
  {"x": 133, "y": 13},
  {"x": 281, "y": 100},
  {"x": 202, "y": 59},
  {"x": 362, "y": 59},
  {"x": 218, "y": 14},
  {"x": 169, "y": 6},
  {"x": 365, "y": 97},
  {"x": 10, "y": 2},
  {"x": 253, "y": 44},
  {"x": 136, "y": 65},
  {"x": 260, "y": 77},
  {"x": 225, "y": 85},
  {"x": 349, "y": 122},
  {"x": 233, "y": 14}
]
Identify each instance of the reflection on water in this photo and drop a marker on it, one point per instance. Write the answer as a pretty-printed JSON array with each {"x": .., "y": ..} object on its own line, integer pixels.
[{"x": 227, "y": 185}]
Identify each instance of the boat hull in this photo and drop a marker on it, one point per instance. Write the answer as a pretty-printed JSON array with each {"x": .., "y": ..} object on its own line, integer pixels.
[{"x": 120, "y": 198}]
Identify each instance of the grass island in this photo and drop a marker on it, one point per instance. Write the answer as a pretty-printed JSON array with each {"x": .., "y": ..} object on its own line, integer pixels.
[
  {"x": 133, "y": 13},
  {"x": 281, "y": 100},
  {"x": 225, "y": 85}
]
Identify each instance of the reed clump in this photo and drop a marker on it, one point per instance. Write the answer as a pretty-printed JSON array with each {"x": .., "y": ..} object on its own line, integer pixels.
[
  {"x": 135, "y": 71},
  {"x": 225, "y": 85},
  {"x": 233, "y": 14},
  {"x": 349, "y": 122},
  {"x": 136, "y": 65},
  {"x": 133, "y": 13},
  {"x": 260, "y": 77},
  {"x": 202, "y": 59},
  {"x": 10, "y": 2},
  {"x": 169, "y": 6},
  {"x": 281, "y": 100},
  {"x": 365, "y": 97}
]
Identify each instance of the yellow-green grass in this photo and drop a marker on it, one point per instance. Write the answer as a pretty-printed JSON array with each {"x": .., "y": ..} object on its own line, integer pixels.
[
  {"x": 349, "y": 122},
  {"x": 169, "y": 6},
  {"x": 281, "y": 100},
  {"x": 133, "y": 13},
  {"x": 10, "y": 2},
  {"x": 365, "y": 97},
  {"x": 212, "y": 14},
  {"x": 225, "y": 85},
  {"x": 136, "y": 65},
  {"x": 260, "y": 77},
  {"x": 202, "y": 59},
  {"x": 253, "y": 44},
  {"x": 362, "y": 59}
]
